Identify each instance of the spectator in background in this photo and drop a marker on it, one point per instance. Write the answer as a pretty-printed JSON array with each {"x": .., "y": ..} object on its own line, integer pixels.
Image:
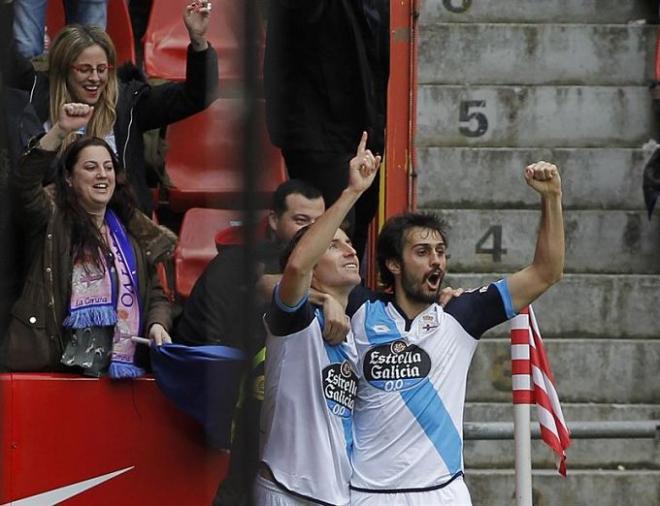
[
  {"x": 82, "y": 68},
  {"x": 211, "y": 314},
  {"x": 325, "y": 77},
  {"x": 92, "y": 282},
  {"x": 30, "y": 20}
]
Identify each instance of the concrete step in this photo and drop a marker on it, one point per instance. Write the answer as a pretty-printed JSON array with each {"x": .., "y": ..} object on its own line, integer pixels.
[
  {"x": 620, "y": 55},
  {"x": 534, "y": 116},
  {"x": 589, "y": 305},
  {"x": 598, "y": 178},
  {"x": 524, "y": 11},
  {"x": 583, "y": 453},
  {"x": 580, "y": 488},
  {"x": 586, "y": 370},
  {"x": 614, "y": 242}
]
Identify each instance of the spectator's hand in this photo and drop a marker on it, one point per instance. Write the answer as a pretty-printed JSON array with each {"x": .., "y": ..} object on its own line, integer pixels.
[
  {"x": 336, "y": 324},
  {"x": 196, "y": 18},
  {"x": 363, "y": 167},
  {"x": 73, "y": 117},
  {"x": 544, "y": 178},
  {"x": 448, "y": 293},
  {"x": 159, "y": 335}
]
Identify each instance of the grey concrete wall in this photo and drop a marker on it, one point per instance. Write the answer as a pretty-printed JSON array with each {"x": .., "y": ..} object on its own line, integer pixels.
[
  {"x": 586, "y": 370},
  {"x": 582, "y": 454},
  {"x": 535, "y": 11},
  {"x": 492, "y": 177},
  {"x": 536, "y": 54},
  {"x": 596, "y": 241},
  {"x": 580, "y": 488},
  {"x": 584, "y": 305},
  {"x": 538, "y": 116}
]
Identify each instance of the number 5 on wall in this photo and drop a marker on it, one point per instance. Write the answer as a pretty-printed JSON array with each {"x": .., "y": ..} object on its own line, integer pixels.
[{"x": 467, "y": 113}]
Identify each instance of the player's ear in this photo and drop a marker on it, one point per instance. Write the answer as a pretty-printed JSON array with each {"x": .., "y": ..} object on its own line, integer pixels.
[
  {"x": 272, "y": 220},
  {"x": 393, "y": 266}
]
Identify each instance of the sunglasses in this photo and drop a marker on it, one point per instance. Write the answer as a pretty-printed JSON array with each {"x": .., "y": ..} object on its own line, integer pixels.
[{"x": 87, "y": 69}]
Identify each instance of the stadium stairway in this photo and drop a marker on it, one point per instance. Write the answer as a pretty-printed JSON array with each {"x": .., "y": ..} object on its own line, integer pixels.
[{"x": 503, "y": 84}]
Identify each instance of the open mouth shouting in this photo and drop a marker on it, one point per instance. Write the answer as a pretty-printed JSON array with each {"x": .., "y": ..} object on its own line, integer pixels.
[{"x": 433, "y": 279}]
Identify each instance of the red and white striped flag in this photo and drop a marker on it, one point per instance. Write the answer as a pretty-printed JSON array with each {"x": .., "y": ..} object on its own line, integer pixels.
[{"x": 533, "y": 383}]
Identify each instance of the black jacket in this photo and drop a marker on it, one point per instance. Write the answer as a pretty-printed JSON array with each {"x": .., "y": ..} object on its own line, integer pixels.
[
  {"x": 140, "y": 107},
  {"x": 19, "y": 125},
  {"x": 325, "y": 73}
]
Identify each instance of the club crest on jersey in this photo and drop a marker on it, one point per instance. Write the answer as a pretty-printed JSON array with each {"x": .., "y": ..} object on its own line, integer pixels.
[
  {"x": 340, "y": 385},
  {"x": 396, "y": 366},
  {"x": 429, "y": 322}
]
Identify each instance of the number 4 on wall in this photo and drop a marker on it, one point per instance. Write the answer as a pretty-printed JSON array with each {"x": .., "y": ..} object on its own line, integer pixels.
[{"x": 495, "y": 249}]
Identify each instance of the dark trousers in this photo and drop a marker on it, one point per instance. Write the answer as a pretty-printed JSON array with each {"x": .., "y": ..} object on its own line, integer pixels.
[{"x": 328, "y": 171}]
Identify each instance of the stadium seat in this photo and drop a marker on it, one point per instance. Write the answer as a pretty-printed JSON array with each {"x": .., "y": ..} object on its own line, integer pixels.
[
  {"x": 203, "y": 159},
  {"x": 197, "y": 244},
  {"x": 166, "y": 40},
  {"x": 119, "y": 26}
]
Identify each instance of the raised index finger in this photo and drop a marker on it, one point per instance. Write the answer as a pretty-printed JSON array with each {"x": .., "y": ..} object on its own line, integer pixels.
[{"x": 363, "y": 144}]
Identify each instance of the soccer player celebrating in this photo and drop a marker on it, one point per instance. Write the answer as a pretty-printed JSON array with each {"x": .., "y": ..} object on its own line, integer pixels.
[
  {"x": 414, "y": 356},
  {"x": 311, "y": 385}
]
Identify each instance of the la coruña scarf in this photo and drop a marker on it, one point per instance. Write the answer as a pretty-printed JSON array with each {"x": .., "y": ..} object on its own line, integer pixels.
[{"x": 110, "y": 297}]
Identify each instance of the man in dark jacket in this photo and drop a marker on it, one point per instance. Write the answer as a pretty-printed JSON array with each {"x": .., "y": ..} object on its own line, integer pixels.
[
  {"x": 325, "y": 78},
  {"x": 213, "y": 314}
]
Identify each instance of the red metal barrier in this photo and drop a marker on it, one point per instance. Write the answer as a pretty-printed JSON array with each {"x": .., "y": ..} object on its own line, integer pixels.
[{"x": 77, "y": 441}]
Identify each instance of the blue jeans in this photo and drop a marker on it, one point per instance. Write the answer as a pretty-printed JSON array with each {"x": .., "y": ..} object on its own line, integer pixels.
[{"x": 30, "y": 19}]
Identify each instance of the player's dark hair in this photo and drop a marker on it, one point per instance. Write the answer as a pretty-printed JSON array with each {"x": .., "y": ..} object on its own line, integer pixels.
[
  {"x": 393, "y": 235},
  {"x": 289, "y": 188}
]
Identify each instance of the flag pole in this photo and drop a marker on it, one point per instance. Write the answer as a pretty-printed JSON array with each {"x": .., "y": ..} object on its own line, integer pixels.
[
  {"x": 523, "y": 397},
  {"x": 522, "y": 433}
]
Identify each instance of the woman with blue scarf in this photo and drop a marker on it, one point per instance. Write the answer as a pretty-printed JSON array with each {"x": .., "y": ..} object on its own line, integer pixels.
[{"x": 92, "y": 282}]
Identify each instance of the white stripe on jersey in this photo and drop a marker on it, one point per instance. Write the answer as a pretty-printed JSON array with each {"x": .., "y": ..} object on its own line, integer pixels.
[
  {"x": 409, "y": 413},
  {"x": 408, "y": 420},
  {"x": 306, "y": 415}
]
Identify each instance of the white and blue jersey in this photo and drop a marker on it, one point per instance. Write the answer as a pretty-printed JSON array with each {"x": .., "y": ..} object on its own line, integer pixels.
[
  {"x": 408, "y": 420},
  {"x": 306, "y": 418}
]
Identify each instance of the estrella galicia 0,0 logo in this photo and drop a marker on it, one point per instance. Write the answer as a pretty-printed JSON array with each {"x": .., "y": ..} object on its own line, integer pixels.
[
  {"x": 340, "y": 385},
  {"x": 396, "y": 366}
]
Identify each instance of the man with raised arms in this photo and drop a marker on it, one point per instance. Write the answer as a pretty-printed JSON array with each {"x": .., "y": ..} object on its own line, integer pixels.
[
  {"x": 414, "y": 355},
  {"x": 311, "y": 385}
]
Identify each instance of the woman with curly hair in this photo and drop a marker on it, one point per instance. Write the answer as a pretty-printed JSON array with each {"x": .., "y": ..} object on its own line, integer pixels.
[{"x": 92, "y": 282}]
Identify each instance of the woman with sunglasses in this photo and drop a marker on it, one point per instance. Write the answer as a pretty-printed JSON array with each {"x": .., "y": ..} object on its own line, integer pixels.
[{"x": 82, "y": 68}]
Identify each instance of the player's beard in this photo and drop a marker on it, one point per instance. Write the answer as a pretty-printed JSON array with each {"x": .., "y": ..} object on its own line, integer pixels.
[{"x": 413, "y": 287}]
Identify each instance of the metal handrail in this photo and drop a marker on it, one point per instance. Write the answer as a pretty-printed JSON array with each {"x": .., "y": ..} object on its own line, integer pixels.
[{"x": 638, "y": 429}]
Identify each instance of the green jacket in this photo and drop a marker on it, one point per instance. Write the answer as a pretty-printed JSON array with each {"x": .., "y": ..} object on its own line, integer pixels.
[{"x": 35, "y": 338}]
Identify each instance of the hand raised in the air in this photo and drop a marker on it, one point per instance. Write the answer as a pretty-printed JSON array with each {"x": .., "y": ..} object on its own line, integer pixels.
[
  {"x": 196, "y": 18},
  {"x": 544, "y": 178},
  {"x": 74, "y": 116},
  {"x": 363, "y": 167}
]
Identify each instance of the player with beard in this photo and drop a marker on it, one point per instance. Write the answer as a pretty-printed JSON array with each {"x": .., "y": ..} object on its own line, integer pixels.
[{"x": 415, "y": 355}]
